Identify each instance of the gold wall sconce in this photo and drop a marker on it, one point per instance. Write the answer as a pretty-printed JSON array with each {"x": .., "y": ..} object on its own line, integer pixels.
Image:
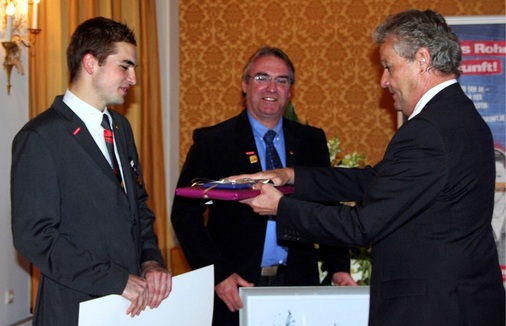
[{"x": 15, "y": 17}]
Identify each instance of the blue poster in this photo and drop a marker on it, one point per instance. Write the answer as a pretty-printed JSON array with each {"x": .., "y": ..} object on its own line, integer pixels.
[
  {"x": 483, "y": 44},
  {"x": 483, "y": 73}
]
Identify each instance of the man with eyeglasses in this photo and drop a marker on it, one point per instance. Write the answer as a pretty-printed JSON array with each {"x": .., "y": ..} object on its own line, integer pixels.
[{"x": 234, "y": 238}]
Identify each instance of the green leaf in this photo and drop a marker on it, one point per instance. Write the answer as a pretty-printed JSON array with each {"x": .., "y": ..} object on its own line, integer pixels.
[{"x": 290, "y": 113}]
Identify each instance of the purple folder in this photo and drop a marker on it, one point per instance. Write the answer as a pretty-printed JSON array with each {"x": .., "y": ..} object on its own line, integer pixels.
[{"x": 225, "y": 194}]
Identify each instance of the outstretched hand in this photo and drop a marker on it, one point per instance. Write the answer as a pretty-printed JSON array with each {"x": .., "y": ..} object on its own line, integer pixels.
[
  {"x": 267, "y": 202},
  {"x": 279, "y": 177}
]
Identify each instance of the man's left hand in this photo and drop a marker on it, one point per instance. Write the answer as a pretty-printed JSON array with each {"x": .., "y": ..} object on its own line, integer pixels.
[{"x": 159, "y": 282}]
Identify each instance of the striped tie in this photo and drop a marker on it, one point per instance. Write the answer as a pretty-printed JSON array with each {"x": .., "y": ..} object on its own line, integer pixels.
[{"x": 109, "y": 143}]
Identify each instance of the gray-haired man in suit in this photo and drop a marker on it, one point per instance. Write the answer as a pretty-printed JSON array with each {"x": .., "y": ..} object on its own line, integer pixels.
[{"x": 426, "y": 207}]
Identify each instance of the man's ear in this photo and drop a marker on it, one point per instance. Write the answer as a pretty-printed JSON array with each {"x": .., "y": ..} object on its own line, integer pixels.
[
  {"x": 89, "y": 62},
  {"x": 422, "y": 58},
  {"x": 244, "y": 85}
]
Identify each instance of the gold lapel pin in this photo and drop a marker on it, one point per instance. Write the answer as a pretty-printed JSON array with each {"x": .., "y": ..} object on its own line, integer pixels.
[{"x": 253, "y": 158}]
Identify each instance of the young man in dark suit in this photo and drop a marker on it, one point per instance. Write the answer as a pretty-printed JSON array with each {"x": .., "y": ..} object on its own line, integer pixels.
[
  {"x": 234, "y": 237},
  {"x": 79, "y": 212},
  {"x": 426, "y": 208}
]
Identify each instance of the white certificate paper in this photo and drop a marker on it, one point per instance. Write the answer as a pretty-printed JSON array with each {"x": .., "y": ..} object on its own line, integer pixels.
[{"x": 189, "y": 303}]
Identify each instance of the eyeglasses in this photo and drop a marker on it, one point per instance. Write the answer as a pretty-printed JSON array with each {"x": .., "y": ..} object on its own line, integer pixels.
[{"x": 266, "y": 79}]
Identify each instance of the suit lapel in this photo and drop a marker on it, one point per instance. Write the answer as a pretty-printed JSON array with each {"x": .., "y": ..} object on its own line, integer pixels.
[
  {"x": 291, "y": 143},
  {"x": 80, "y": 133},
  {"x": 122, "y": 146},
  {"x": 126, "y": 161},
  {"x": 245, "y": 144}
]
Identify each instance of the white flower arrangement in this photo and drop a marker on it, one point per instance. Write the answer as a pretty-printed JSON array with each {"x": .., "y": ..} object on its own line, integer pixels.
[{"x": 353, "y": 160}]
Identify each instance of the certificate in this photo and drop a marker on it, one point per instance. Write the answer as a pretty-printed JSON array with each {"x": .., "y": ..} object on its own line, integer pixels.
[{"x": 189, "y": 303}]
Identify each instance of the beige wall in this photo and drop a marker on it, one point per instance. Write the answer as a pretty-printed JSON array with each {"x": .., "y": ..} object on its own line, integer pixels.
[{"x": 329, "y": 41}]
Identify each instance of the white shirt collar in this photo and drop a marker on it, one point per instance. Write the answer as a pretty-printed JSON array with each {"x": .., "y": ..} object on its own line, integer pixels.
[
  {"x": 429, "y": 95},
  {"x": 89, "y": 114}
]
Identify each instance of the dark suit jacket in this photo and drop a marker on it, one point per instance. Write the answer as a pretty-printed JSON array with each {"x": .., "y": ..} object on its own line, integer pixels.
[
  {"x": 426, "y": 209},
  {"x": 233, "y": 238},
  {"x": 71, "y": 218}
]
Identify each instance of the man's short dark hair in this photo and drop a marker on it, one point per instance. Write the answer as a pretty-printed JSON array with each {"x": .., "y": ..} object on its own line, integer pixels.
[{"x": 96, "y": 36}]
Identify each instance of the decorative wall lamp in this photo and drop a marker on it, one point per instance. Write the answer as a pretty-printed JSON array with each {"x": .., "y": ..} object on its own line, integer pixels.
[{"x": 15, "y": 18}]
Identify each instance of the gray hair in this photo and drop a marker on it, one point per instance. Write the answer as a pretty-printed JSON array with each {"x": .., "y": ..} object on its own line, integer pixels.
[{"x": 414, "y": 29}]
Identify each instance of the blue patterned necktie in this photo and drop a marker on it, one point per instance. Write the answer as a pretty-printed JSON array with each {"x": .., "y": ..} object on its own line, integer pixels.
[
  {"x": 273, "y": 254},
  {"x": 272, "y": 160}
]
